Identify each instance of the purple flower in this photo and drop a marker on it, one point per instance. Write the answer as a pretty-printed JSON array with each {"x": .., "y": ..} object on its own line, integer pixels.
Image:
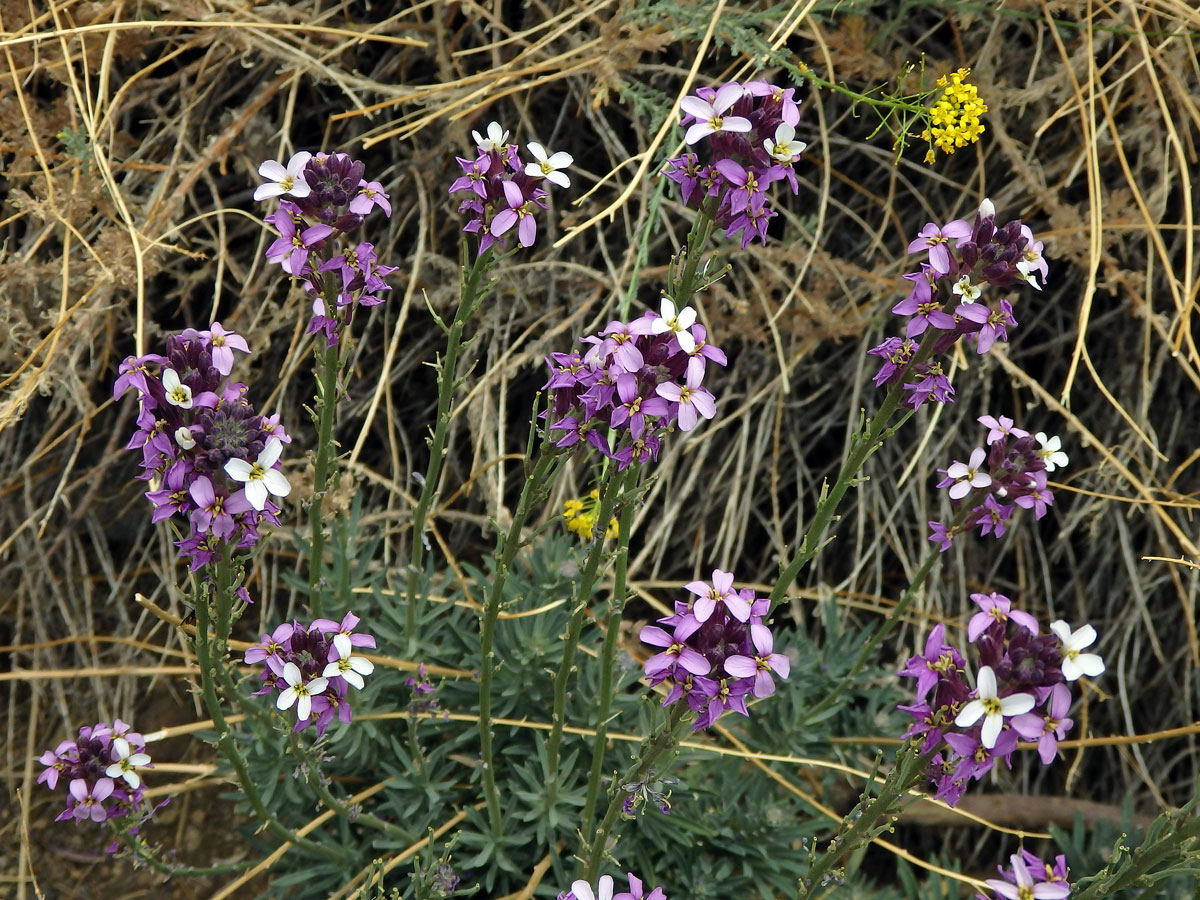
[
  {"x": 637, "y": 891},
  {"x": 676, "y": 653},
  {"x": 223, "y": 343},
  {"x": 1022, "y": 886},
  {"x": 934, "y": 239},
  {"x": 760, "y": 666},
  {"x": 1051, "y": 727},
  {"x": 709, "y": 116},
  {"x": 693, "y": 400},
  {"x": 997, "y": 609}
]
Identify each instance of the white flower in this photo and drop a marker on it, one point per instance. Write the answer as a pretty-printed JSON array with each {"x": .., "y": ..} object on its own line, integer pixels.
[
  {"x": 178, "y": 393},
  {"x": 284, "y": 179},
  {"x": 298, "y": 692},
  {"x": 987, "y": 208},
  {"x": 548, "y": 165},
  {"x": 784, "y": 148},
  {"x": 496, "y": 136},
  {"x": 967, "y": 475},
  {"x": 678, "y": 322},
  {"x": 259, "y": 477},
  {"x": 1074, "y": 662},
  {"x": 990, "y": 708},
  {"x": 583, "y": 891},
  {"x": 183, "y": 437},
  {"x": 124, "y": 759},
  {"x": 1051, "y": 451},
  {"x": 351, "y": 668},
  {"x": 967, "y": 291},
  {"x": 709, "y": 116}
]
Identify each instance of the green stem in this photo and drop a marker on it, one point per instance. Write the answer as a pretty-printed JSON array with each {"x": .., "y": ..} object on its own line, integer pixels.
[
  {"x": 535, "y": 483},
  {"x": 579, "y": 605},
  {"x": 888, "y": 103},
  {"x": 469, "y": 298},
  {"x": 209, "y": 646},
  {"x": 138, "y": 848},
  {"x": 869, "y": 818},
  {"x": 861, "y": 448},
  {"x": 324, "y": 466},
  {"x": 662, "y": 741},
  {"x": 611, "y": 635}
]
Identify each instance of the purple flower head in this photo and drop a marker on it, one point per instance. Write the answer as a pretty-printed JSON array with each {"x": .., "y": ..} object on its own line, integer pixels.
[
  {"x": 100, "y": 770},
  {"x": 1048, "y": 727},
  {"x": 1021, "y": 884}
]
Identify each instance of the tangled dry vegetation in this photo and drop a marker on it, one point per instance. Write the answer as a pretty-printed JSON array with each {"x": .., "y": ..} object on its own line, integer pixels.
[{"x": 130, "y": 134}]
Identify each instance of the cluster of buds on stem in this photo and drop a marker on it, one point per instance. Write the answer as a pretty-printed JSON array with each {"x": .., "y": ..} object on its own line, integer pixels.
[
  {"x": 216, "y": 459},
  {"x": 984, "y": 255},
  {"x": 635, "y": 380},
  {"x": 328, "y": 197},
  {"x": 717, "y": 652},
  {"x": 750, "y": 132},
  {"x": 313, "y": 668},
  {"x": 1021, "y": 691}
]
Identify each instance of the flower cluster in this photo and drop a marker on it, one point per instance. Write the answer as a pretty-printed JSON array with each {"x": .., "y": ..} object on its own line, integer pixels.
[
  {"x": 954, "y": 117},
  {"x": 635, "y": 380},
  {"x": 1029, "y": 877},
  {"x": 582, "y": 890},
  {"x": 653, "y": 791},
  {"x": 100, "y": 771},
  {"x": 216, "y": 459},
  {"x": 329, "y": 196},
  {"x": 1021, "y": 691},
  {"x": 1009, "y": 473},
  {"x": 983, "y": 255},
  {"x": 717, "y": 651},
  {"x": 502, "y": 191},
  {"x": 751, "y": 137},
  {"x": 580, "y": 513},
  {"x": 313, "y": 668}
]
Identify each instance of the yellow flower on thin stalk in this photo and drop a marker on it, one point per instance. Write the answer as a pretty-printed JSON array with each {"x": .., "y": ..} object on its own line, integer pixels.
[
  {"x": 580, "y": 516},
  {"x": 954, "y": 118}
]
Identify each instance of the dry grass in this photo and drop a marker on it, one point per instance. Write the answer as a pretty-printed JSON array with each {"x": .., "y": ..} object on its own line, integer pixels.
[{"x": 140, "y": 222}]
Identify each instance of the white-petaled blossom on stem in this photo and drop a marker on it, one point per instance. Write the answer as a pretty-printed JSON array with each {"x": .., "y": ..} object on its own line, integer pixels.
[
  {"x": 351, "y": 668},
  {"x": 299, "y": 693},
  {"x": 283, "y": 179},
  {"x": 785, "y": 148},
  {"x": 183, "y": 437},
  {"x": 677, "y": 321},
  {"x": 548, "y": 165},
  {"x": 710, "y": 116},
  {"x": 992, "y": 709},
  {"x": 178, "y": 393},
  {"x": 1051, "y": 451},
  {"x": 495, "y": 140},
  {"x": 124, "y": 760},
  {"x": 1075, "y": 662},
  {"x": 583, "y": 891},
  {"x": 966, "y": 291},
  {"x": 968, "y": 475},
  {"x": 259, "y": 478}
]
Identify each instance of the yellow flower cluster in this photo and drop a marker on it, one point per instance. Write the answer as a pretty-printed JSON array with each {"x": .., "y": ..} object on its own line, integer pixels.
[
  {"x": 954, "y": 118},
  {"x": 580, "y": 516}
]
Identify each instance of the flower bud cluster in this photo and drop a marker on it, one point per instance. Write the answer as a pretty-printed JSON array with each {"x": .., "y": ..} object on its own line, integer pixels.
[
  {"x": 1028, "y": 876},
  {"x": 579, "y": 514},
  {"x": 751, "y": 139},
  {"x": 1021, "y": 691},
  {"x": 983, "y": 255},
  {"x": 217, "y": 460},
  {"x": 504, "y": 192},
  {"x": 717, "y": 651},
  {"x": 100, "y": 771},
  {"x": 329, "y": 196},
  {"x": 635, "y": 379},
  {"x": 313, "y": 668},
  {"x": 1010, "y": 473}
]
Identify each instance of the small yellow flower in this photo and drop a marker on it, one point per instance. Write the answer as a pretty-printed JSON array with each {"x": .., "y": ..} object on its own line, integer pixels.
[
  {"x": 954, "y": 118},
  {"x": 580, "y": 516}
]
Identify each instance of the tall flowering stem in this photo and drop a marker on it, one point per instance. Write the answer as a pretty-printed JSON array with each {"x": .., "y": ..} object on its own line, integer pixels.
[
  {"x": 212, "y": 633},
  {"x": 611, "y": 641},
  {"x": 610, "y": 488},
  {"x": 871, "y": 817},
  {"x": 662, "y": 742},
  {"x": 473, "y": 291},
  {"x": 537, "y": 478},
  {"x": 324, "y": 466}
]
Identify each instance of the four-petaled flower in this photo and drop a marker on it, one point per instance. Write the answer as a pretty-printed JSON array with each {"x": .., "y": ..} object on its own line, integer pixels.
[
  {"x": 759, "y": 667},
  {"x": 710, "y": 118},
  {"x": 299, "y": 693},
  {"x": 124, "y": 760},
  {"x": 1075, "y": 661},
  {"x": 351, "y": 668},
  {"x": 548, "y": 165},
  {"x": 1051, "y": 451},
  {"x": 259, "y": 477},
  {"x": 178, "y": 393},
  {"x": 991, "y": 708},
  {"x": 968, "y": 475},
  {"x": 677, "y": 321},
  {"x": 287, "y": 179},
  {"x": 496, "y": 137},
  {"x": 1023, "y": 887}
]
